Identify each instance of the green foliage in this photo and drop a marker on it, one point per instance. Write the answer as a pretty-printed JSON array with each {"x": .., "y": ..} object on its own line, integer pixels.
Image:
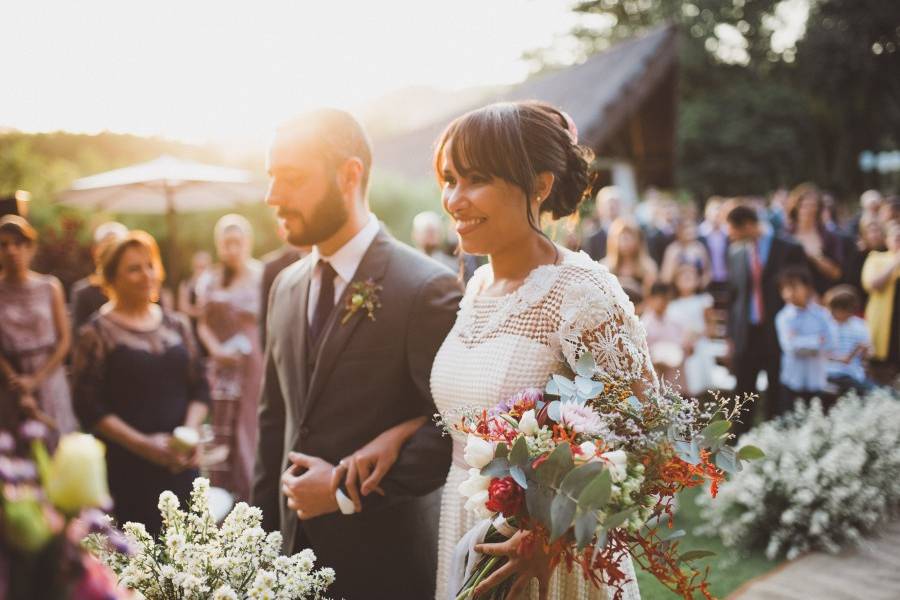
[
  {"x": 397, "y": 201},
  {"x": 755, "y": 115}
]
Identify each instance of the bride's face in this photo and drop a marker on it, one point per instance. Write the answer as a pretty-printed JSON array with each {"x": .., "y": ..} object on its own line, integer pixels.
[{"x": 488, "y": 212}]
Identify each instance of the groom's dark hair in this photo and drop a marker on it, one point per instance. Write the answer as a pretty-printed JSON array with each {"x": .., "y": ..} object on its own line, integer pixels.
[{"x": 336, "y": 134}]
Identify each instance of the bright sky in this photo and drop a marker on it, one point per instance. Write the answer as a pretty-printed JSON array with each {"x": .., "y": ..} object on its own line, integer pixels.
[{"x": 227, "y": 71}]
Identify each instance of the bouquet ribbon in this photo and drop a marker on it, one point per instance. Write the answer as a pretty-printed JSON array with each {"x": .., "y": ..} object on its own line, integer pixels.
[{"x": 465, "y": 556}]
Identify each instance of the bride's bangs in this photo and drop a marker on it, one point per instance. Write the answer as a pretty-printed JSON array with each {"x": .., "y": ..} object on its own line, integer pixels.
[{"x": 486, "y": 141}]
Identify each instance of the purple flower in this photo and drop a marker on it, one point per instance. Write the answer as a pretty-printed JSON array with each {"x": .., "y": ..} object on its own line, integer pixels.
[
  {"x": 96, "y": 521},
  {"x": 33, "y": 430},
  {"x": 530, "y": 395},
  {"x": 7, "y": 442},
  {"x": 121, "y": 544},
  {"x": 16, "y": 470}
]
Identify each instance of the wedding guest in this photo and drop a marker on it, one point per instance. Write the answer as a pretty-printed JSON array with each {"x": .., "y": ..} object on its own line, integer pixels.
[
  {"x": 871, "y": 238},
  {"x": 881, "y": 279},
  {"x": 229, "y": 299},
  {"x": 852, "y": 343},
  {"x": 691, "y": 308},
  {"x": 34, "y": 334},
  {"x": 890, "y": 210},
  {"x": 427, "y": 231},
  {"x": 756, "y": 256},
  {"x": 274, "y": 263},
  {"x": 187, "y": 289},
  {"x": 667, "y": 339},
  {"x": 661, "y": 229},
  {"x": 87, "y": 293},
  {"x": 627, "y": 257},
  {"x": 685, "y": 249},
  {"x": 608, "y": 208},
  {"x": 870, "y": 203},
  {"x": 137, "y": 375},
  {"x": 714, "y": 235},
  {"x": 823, "y": 248},
  {"x": 805, "y": 335}
]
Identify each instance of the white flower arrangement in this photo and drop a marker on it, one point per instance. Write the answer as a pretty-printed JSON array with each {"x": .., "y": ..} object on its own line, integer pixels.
[
  {"x": 196, "y": 560},
  {"x": 827, "y": 479}
]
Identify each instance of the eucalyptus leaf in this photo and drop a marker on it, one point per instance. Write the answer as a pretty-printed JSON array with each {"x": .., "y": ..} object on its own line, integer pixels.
[
  {"x": 553, "y": 411},
  {"x": 749, "y": 452},
  {"x": 557, "y": 465},
  {"x": 518, "y": 476},
  {"x": 727, "y": 460},
  {"x": 552, "y": 388},
  {"x": 501, "y": 451},
  {"x": 576, "y": 480},
  {"x": 695, "y": 554},
  {"x": 602, "y": 538},
  {"x": 635, "y": 404},
  {"x": 566, "y": 386},
  {"x": 585, "y": 365},
  {"x": 498, "y": 467},
  {"x": 596, "y": 494},
  {"x": 678, "y": 533},
  {"x": 585, "y": 525},
  {"x": 686, "y": 451},
  {"x": 519, "y": 453},
  {"x": 618, "y": 518},
  {"x": 538, "y": 499},
  {"x": 714, "y": 431},
  {"x": 562, "y": 512}
]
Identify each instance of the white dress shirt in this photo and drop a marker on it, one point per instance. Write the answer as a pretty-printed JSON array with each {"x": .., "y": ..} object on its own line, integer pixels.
[{"x": 344, "y": 262}]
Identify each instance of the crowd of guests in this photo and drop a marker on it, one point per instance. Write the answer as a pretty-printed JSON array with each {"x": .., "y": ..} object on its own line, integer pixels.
[{"x": 777, "y": 285}]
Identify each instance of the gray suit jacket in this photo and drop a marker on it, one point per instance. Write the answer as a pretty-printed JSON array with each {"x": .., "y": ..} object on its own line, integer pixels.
[{"x": 365, "y": 377}]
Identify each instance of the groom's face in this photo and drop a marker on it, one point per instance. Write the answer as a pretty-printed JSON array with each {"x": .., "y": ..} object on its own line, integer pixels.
[{"x": 304, "y": 190}]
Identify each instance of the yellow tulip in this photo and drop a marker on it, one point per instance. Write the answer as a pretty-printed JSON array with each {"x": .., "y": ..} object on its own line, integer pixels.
[{"x": 77, "y": 474}]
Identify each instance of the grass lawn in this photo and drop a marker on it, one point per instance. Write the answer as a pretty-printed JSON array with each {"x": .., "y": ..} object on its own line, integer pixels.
[{"x": 729, "y": 568}]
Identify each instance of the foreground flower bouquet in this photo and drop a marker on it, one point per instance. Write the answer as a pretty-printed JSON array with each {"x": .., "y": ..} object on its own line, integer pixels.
[
  {"x": 195, "y": 559},
  {"x": 591, "y": 472}
]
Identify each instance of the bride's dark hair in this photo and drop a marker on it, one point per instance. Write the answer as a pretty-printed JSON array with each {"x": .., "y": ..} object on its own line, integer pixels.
[{"x": 515, "y": 141}]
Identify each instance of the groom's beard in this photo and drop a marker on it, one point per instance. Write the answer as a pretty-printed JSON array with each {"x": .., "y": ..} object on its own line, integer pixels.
[{"x": 327, "y": 218}]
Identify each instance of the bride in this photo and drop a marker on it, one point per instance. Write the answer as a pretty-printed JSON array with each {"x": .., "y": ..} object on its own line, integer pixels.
[{"x": 532, "y": 311}]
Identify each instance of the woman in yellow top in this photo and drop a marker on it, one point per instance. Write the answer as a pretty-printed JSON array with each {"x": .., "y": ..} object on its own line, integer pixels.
[{"x": 881, "y": 278}]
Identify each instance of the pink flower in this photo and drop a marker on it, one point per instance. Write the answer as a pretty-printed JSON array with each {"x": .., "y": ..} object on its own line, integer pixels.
[{"x": 580, "y": 419}]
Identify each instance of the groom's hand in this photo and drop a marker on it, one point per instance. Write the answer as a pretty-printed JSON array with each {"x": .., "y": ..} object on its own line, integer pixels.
[{"x": 310, "y": 493}]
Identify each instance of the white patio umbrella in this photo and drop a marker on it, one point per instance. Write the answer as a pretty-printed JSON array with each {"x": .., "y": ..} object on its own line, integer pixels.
[{"x": 165, "y": 186}]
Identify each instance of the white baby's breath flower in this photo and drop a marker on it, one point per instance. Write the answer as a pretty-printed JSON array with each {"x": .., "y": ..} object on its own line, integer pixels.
[{"x": 225, "y": 592}]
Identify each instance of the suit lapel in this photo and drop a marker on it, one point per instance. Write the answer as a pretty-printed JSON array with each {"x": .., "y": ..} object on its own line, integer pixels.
[
  {"x": 299, "y": 298},
  {"x": 336, "y": 334}
]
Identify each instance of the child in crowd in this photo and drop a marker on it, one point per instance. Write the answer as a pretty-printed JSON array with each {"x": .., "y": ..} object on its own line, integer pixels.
[
  {"x": 691, "y": 310},
  {"x": 805, "y": 335},
  {"x": 666, "y": 338},
  {"x": 852, "y": 343}
]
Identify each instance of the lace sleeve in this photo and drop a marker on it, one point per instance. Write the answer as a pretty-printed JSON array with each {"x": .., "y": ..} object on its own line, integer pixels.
[{"x": 596, "y": 316}]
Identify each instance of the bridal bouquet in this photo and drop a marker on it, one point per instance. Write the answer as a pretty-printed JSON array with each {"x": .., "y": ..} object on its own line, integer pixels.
[
  {"x": 591, "y": 472},
  {"x": 195, "y": 559}
]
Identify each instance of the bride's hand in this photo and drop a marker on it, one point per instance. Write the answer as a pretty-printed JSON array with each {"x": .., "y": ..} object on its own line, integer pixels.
[
  {"x": 526, "y": 562},
  {"x": 370, "y": 464}
]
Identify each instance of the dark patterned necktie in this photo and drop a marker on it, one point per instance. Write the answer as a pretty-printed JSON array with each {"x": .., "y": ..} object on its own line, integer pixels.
[{"x": 325, "y": 302}]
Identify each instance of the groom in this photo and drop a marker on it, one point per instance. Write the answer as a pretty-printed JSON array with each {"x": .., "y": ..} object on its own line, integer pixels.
[{"x": 338, "y": 374}]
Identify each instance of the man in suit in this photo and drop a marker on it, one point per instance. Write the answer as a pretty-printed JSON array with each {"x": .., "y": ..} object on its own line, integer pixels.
[
  {"x": 335, "y": 378},
  {"x": 756, "y": 257},
  {"x": 608, "y": 209}
]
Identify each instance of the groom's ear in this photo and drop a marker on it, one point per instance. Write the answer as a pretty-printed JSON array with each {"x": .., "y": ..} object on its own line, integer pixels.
[{"x": 350, "y": 176}]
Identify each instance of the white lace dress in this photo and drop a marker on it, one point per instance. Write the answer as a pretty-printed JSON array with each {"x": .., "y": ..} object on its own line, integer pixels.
[{"x": 501, "y": 345}]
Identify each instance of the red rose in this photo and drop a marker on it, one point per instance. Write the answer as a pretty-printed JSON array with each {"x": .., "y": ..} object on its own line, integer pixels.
[{"x": 505, "y": 496}]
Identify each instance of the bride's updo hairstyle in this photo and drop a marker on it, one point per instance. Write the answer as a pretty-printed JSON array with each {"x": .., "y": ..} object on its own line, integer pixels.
[{"x": 516, "y": 141}]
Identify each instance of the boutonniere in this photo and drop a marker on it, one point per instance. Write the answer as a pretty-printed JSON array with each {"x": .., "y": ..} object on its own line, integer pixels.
[{"x": 363, "y": 296}]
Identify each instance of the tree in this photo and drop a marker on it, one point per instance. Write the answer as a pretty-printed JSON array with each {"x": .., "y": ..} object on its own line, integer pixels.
[{"x": 759, "y": 109}]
